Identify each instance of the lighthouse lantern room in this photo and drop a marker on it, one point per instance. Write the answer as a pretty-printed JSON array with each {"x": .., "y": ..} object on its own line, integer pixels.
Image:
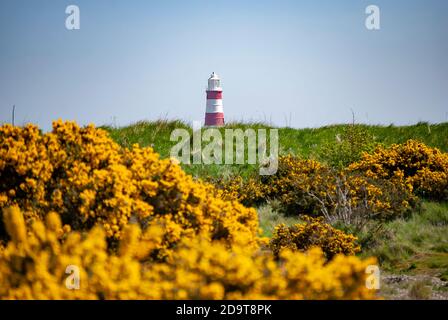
[{"x": 214, "y": 114}]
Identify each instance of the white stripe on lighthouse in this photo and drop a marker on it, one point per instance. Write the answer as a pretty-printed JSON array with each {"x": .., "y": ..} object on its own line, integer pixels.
[{"x": 214, "y": 105}]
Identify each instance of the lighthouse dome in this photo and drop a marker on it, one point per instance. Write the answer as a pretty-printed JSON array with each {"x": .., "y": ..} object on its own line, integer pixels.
[
  {"x": 214, "y": 83},
  {"x": 214, "y": 76}
]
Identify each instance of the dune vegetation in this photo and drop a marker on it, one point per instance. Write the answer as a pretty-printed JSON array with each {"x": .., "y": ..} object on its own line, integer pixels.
[{"x": 134, "y": 224}]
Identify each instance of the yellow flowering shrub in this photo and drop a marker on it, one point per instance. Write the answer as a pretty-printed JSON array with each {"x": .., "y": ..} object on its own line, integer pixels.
[
  {"x": 293, "y": 182},
  {"x": 204, "y": 270},
  {"x": 314, "y": 232},
  {"x": 34, "y": 264},
  {"x": 423, "y": 168},
  {"x": 354, "y": 198},
  {"x": 306, "y": 186},
  {"x": 250, "y": 192},
  {"x": 89, "y": 180}
]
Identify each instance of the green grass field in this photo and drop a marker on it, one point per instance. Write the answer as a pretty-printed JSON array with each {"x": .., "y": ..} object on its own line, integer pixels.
[{"x": 303, "y": 142}]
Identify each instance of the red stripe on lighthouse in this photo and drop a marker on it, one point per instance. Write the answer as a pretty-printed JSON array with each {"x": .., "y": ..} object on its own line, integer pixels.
[
  {"x": 214, "y": 119},
  {"x": 214, "y": 94}
]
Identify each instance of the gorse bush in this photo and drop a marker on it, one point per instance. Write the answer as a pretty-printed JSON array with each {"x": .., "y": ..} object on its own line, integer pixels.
[
  {"x": 241, "y": 274},
  {"x": 423, "y": 168},
  {"x": 304, "y": 186},
  {"x": 293, "y": 182},
  {"x": 34, "y": 262},
  {"x": 307, "y": 187},
  {"x": 89, "y": 180},
  {"x": 33, "y": 265},
  {"x": 382, "y": 185},
  {"x": 250, "y": 192},
  {"x": 314, "y": 232},
  {"x": 355, "y": 199},
  {"x": 294, "y": 175}
]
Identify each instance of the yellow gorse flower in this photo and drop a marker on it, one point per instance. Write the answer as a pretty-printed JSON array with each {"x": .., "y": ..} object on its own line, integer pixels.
[
  {"x": 423, "y": 169},
  {"x": 34, "y": 267},
  {"x": 304, "y": 186},
  {"x": 82, "y": 174},
  {"x": 313, "y": 232}
]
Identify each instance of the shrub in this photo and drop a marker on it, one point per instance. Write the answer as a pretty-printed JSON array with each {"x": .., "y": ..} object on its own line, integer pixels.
[
  {"x": 250, "y": 192},
  {"x": 306, "y": 186},
  {"x": 87, "y": 178},
  {"x": 291, "y": 185},
  {"x": 354, "y": 199},
  {"x": 347, "y": 147},
  {"x": 425, "y": 169},
  {"x": 314, "y": 232},
  {"x": 34, "y": 262},
  {"x": 257, "y": 190},
  {"x": 340, "y": 195}
]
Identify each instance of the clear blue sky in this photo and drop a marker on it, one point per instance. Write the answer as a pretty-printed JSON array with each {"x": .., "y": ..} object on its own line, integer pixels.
[{"x": 302, "y": 63}]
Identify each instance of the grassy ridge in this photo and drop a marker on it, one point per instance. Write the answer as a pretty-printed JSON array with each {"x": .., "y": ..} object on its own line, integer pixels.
[{"x": 304, "y": 142}]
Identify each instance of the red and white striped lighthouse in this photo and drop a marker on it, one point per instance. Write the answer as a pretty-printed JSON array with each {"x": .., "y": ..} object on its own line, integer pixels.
[{"x": 214, "y": 114}]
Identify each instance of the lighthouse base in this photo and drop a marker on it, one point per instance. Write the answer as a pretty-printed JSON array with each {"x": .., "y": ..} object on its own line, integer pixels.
[{"x": 214, "y": 119}]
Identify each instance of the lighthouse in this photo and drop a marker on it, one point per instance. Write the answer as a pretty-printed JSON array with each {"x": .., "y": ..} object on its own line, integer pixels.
[{"x": 214, "y": 113}]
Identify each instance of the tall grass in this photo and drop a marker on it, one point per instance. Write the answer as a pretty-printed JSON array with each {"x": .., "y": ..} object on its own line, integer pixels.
[
  {"x": 303, "y": 142},
  {"x": 419, "y": 243}
]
